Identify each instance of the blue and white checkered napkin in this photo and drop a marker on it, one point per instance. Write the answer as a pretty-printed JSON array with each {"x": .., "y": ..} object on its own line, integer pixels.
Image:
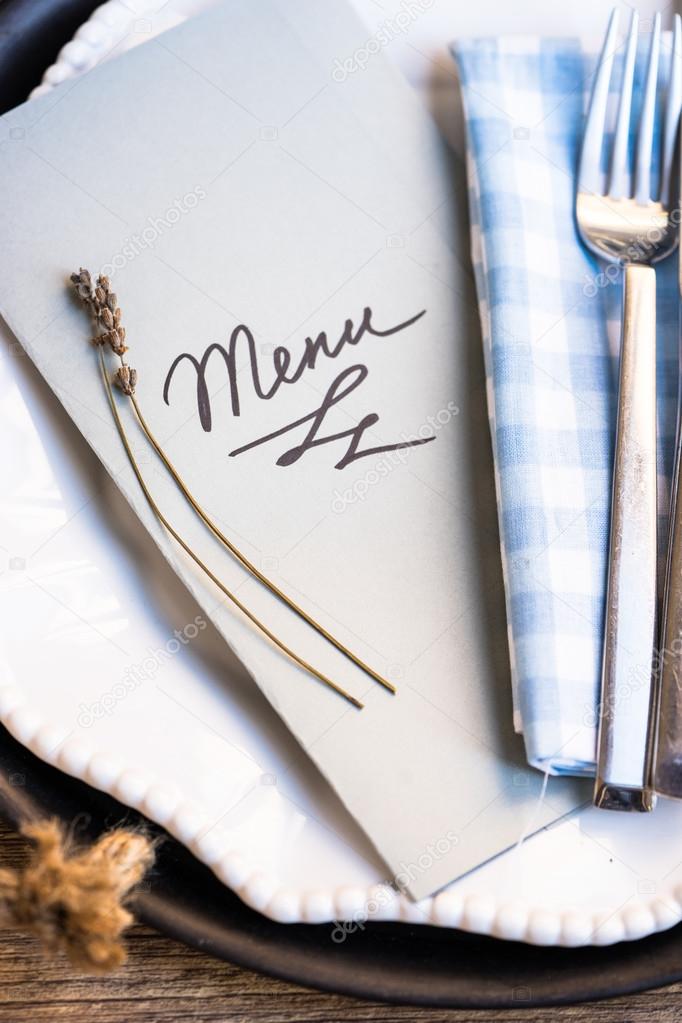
[{"x": 551, "y": 321}]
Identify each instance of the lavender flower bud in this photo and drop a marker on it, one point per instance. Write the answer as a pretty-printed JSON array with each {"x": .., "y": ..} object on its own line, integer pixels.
[{"x": 126, "y": 379}]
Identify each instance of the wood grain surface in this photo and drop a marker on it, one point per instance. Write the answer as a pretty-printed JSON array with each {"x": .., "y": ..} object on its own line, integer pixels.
[{"x": 164, "y": 982}]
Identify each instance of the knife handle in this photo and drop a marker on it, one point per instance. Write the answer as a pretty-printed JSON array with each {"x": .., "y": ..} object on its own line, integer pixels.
[
  {"x": 624, "y": 747},
  {"x": 668, "y": 756}
]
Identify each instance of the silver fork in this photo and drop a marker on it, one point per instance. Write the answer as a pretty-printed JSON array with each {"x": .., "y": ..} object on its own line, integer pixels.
[{"x": 620, "y": 221}]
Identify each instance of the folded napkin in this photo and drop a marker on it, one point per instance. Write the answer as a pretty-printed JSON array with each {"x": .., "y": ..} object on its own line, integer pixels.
[{"x": 551, "y": 320}]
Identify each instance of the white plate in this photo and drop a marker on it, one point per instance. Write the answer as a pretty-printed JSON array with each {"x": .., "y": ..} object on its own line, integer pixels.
[{"x": 176, "y": 730}]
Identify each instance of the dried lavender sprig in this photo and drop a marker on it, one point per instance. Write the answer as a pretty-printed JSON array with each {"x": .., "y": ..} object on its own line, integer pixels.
[
  {"x": 127, "y": 379},
  {"x": 104, "y": 305}
]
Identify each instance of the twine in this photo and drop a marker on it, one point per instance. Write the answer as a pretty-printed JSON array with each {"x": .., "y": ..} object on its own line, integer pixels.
[{"x": 72, "y": 899}]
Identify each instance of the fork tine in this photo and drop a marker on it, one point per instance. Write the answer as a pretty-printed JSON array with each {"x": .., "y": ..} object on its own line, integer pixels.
[
  {"x": 589, "y": 172},
  {"x": 672, "y": 111},
  {"x": 646, "y": 121},
  {"x": 619, "y": 181}
]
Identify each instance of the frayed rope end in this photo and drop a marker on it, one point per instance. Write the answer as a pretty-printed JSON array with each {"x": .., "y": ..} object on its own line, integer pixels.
[{"x": 73, "y": 899}]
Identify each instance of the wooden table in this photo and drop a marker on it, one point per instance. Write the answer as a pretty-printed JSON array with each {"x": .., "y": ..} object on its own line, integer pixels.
[{"x": 167, "y": 982}]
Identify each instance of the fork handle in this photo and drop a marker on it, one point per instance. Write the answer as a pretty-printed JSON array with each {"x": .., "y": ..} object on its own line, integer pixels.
[{"x": 624, "y": 748}]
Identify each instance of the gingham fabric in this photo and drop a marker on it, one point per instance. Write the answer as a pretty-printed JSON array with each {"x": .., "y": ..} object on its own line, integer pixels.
[{"x": 550, "y": 314}]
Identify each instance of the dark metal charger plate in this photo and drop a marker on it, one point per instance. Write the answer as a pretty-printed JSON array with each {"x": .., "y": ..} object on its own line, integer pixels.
[{"x": 390, "y": 962}]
